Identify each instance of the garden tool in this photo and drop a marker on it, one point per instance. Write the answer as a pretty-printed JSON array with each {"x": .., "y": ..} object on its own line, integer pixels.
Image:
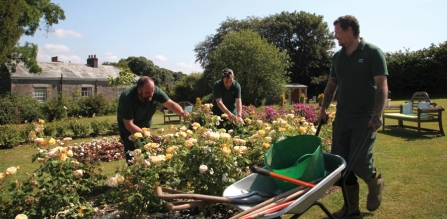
[{"x": 200, "y": 200}]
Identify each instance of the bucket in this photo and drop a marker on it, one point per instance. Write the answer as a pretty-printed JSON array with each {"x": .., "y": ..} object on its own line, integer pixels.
[{"x": 299, "y": 157}]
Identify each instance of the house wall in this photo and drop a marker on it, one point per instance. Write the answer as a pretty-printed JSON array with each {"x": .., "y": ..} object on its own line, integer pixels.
[{"x": 26, "y": 87}]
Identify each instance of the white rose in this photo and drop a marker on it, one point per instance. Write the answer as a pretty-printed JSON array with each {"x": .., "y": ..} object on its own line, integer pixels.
[
  {"x": 203, "y": 168},
  {"x": 11, "y": 170},
  {"x": 112, "y": 182},
  {"x": 78, "y": 173}
]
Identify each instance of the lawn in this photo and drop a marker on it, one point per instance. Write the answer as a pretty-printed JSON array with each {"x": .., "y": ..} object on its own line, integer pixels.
[{"x": 412, "y": 167}]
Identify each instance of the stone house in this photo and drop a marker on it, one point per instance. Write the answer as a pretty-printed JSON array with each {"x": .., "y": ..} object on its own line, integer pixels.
[{"x": 58, "y": 77}]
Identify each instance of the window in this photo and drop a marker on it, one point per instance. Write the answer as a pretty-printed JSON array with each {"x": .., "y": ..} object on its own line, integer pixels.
[
  {"x": 40, "y": 94},
  {"x": 86, "y": 91}
]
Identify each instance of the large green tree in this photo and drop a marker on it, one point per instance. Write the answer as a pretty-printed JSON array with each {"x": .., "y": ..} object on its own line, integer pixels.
[
  {"x": 25, "y": 17},
  {"x": 304, "y": 36},
  {"x": 260, "y": 67}
]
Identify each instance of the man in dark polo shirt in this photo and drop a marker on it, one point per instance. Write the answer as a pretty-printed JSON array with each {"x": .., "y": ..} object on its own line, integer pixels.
[
  {"x": 227, "y": 98},
  {"x": 136, "y": 106},
  {"x": 359, "y": 75}
]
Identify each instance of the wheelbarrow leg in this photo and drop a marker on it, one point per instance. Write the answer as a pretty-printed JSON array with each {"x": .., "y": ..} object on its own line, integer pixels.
[{"x": 328, "y": 213}]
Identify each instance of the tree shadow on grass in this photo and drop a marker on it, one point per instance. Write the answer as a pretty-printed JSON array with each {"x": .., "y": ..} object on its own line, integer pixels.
[{"x": 407, "y": 135}]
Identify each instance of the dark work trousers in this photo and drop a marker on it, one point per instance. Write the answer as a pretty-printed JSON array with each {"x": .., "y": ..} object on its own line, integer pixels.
[
  {"x": 346, "y": 136},
  {"x": 129, "y": 145}
]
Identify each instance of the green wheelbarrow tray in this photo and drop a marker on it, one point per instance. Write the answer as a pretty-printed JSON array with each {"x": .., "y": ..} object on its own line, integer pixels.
[{"x": 334, "y": 165}]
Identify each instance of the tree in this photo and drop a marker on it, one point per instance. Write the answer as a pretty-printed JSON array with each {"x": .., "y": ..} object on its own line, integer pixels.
[
  {"x": 186, "y": 88},
  {"x": 305, "y": 37},
  {"x": 125, "y": 78},
  {"x": 260, "y": 67},
  {"x": 22, "y": 17}
]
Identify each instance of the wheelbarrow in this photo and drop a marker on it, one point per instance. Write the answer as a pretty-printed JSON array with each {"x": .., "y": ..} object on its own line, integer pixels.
[{"x": 336, "y": 171}]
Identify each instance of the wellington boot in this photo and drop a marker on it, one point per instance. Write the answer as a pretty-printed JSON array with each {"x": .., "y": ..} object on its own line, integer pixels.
[
  {"x": 352, "y": 193},
  {"x": 375, "y": 188}
]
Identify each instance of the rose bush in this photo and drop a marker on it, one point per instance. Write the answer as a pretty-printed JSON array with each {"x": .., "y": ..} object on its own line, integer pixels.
[{"x": 193, "y": 157}]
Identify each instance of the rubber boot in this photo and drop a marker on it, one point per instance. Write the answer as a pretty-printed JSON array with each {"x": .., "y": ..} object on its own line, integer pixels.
[
  {"x": 375, "y": 188},
  {"x": 352, "y": 193}
]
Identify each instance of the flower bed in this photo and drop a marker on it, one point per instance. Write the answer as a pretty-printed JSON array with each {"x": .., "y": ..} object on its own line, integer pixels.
[{"x": 194, "y": 157}]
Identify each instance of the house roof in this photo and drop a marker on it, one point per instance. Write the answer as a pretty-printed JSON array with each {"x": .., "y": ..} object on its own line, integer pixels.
[
  {"x": 295, "y": 85},
  {"x": 69, "y": 71}
]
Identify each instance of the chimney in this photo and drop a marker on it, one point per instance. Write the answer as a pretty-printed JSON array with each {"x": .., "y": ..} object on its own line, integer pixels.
[
  {"x": 54, "y": 59},
  {"x": 92, "y": 61}
]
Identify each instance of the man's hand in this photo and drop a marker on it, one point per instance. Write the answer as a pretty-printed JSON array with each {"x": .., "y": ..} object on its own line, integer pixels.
[
  {"x": 324, "y": 116},
  {"x": 375, "y": 122},
  {"x": 185, "y": 115},
  {"x": 240, "y": 120}
]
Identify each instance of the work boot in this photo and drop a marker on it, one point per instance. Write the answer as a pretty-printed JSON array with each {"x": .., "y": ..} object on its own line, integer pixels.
[
  {"x": 375, "y": 188},
  {"x": 352, "y": 194}
]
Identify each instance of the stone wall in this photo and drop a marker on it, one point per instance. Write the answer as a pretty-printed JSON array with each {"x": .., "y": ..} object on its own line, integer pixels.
[{"x": 68, "y": 87}]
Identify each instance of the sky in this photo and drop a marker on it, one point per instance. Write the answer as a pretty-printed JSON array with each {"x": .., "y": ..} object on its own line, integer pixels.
[{"x": 166, "y": 32}]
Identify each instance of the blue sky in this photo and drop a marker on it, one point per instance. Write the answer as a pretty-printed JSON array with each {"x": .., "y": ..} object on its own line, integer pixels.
[{"x": 166, "y": 32}]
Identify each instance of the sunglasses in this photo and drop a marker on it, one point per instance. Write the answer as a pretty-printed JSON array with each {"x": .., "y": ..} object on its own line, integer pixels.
[{"x": 226, "y": 73}]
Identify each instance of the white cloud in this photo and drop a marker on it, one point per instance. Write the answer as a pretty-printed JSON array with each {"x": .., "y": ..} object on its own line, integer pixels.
[
  {"x": 160, "y": 58},
  {"x": 53, "y": 48},
  {"x": 185, "y": 65},
  {"x": 61, "y": 33},
  {"x": 110, "y": 57}
]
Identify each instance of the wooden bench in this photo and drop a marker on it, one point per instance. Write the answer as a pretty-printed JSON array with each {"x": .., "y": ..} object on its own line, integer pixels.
[
  {"x": 419, "y": 115},
  {"x": 170, "y": 117}
]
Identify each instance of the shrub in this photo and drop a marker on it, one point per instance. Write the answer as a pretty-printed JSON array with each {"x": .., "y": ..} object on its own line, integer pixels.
[
  {"x": 94, "y": 105},
  {"x": 99, "y": 127},
  {"x": 17, "y": 108},
  {"x": 9, "y": 136},
  {"x": 79, "y": 128}
]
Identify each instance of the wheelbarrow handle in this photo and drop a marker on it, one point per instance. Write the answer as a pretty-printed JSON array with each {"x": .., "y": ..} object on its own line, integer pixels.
[{"x": 269, "y": 173}]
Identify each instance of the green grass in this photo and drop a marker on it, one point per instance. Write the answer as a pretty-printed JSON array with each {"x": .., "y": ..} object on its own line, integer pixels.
[{"x": 413, "y": 169}]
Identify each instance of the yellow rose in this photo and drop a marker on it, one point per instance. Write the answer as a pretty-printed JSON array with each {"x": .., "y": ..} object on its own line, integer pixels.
[
  {"x": 169, "y": 156},
  {"x": 3, "y": 176},
  {"x": 261, "y": 133},
  {"x": 41, "y": 121},
  {"x": 70, "y": 153},
  {"x": 266, "y": 145},
  {"x": 137, "y": 135},
  {"x": 119, "y": 178},
  {"x": 144, "y": 129},
  {"x": 226, "y": 150},
  {"x": 51, "y": 141},
  {"x": 31, "y": 135}
]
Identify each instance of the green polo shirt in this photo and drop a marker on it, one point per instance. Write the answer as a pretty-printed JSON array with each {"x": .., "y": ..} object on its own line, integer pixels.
[
  {"x": 130, "y": 107},
  {"x": 355, "y": 76},
  {"x": 228, "y": 96}
]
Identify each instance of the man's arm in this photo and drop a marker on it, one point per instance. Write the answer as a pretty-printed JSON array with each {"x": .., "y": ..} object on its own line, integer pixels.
[
  {"x": 132, "y": 128},
  {"x": 329, "y": 94},
  {"x": 379, "y": 102},
  {"x": 175, "y": 108},
  {"x": 224, "y": 109},
  {"x": 239, "y": 110}
]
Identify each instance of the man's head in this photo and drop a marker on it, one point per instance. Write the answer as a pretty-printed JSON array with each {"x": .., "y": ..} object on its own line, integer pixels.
[
  {"x": 145, "y": 88},
  {"x": 346, "y": 28},
  {"x": 227, "y": 77}
]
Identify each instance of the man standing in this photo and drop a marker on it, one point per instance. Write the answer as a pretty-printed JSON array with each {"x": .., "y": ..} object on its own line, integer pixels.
[
  {"x": 359, "y": 75},
  {"x": 136, "y": 106}
]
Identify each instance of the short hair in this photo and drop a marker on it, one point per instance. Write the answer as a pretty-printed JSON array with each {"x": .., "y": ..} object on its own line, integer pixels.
[
  {"x": 143, "y": 80},
  {"x": 227, "y": 73},
  {"x": 349, "y": 21}
]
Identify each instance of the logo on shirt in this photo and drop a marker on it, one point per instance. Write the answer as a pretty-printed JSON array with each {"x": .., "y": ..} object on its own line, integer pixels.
[{"x": 360, "y": 60}]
